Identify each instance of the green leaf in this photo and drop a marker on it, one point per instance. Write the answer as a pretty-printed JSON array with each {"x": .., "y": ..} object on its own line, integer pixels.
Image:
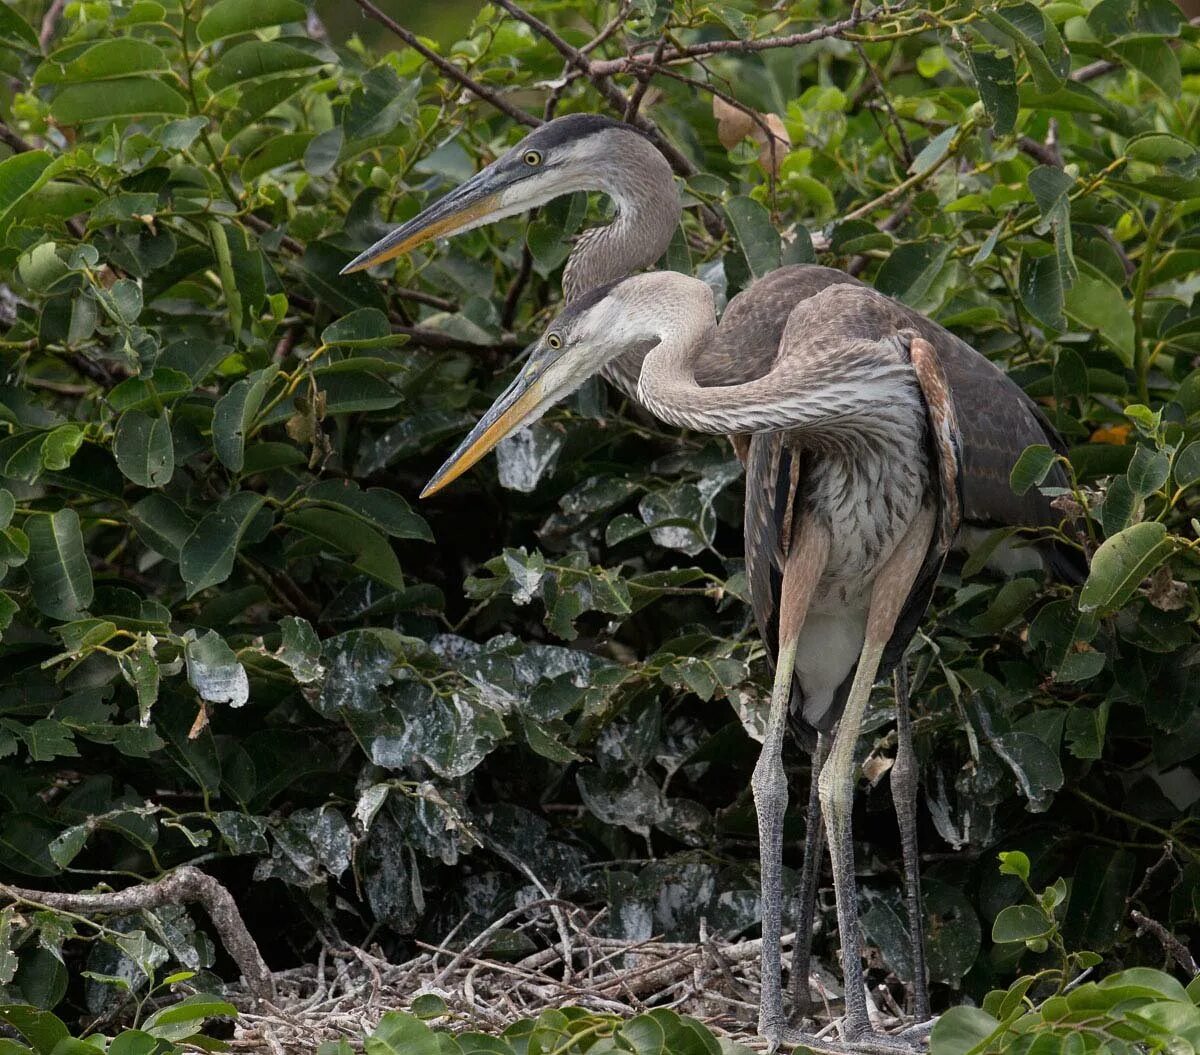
[
  {"x": 58, "y": 565},
  {"x": 1121, "y": 563},
  {"x": 1187, "y": 465},
  {"x": 1159, "y": 148},
  {"x": 996, "y": 79},
  {"x": 1014, "y": 863},
  {"x": 364, "y": 328},
  {"x": 400, "y": 1033},
  {"x": 962, "y": 1031},
  {"x": 1095, "y": 301},
  {"x": 1102, "y": 881},
  {"x": 124, "y": 97},
  {"x": 933, "y": 151},
  {"x": 1042, "y": 287},
  {"x": 16, "y": 31},
  {"x": 912, "y": 273},
  {"x": 255, "y": 59},
  {"x": 381, "y": 507},
  {"x": 181, "y": 1020},
  {"x": 118, "y": 57},
  {"x": 144, "y": 449},
  {"x": 752, "y": 227},
  {"x": 206, "y": 558},
  {"x": 372, "y": 553},
  {"x": 1148, "y": 471},
  {"x": 1156, "y": 60},
  {"x": 20, "y": 175},
  {"x": 1020, "y": 923},
  {"x": 42, "y": 1029},
  {"x": 162, "y": 525},
  {"x": 1031, "y": 468},
  {"x": 234, "y": 414},
  {"x": 228, "y": 18},
  {"x": 644, "y": 1034}
]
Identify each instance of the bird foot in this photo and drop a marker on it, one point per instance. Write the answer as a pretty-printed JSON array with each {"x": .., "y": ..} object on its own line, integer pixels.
[{"x": 911, "y": 1041}]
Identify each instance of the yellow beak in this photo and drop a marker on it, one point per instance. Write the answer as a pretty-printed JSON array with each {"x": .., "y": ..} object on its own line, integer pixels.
[
  {"x": 446, "y": 216},
  {"x": 518, "y": 403}
]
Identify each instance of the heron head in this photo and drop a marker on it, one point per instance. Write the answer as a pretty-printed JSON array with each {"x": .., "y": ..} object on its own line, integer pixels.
[
  {"x": 560, "y": 157},
  {"x": 590, "y": 332}
]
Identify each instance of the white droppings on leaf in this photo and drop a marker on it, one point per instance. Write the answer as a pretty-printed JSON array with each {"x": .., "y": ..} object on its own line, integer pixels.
[
  {"x": 214, "y": 671},
  {"x": 369, "y": 803},
  {"x": 523, "y": 458}
]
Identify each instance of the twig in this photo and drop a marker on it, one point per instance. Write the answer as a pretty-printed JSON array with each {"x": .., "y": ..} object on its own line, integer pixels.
[
  {"x": 714, "y": 47},
  {"x": 184, "y": 885},
  {"x": 50, "y": 23},
  {"x": 19, "y": 145},
  {"x": 616, "y": 98},
  {"x": 448, "y": 68},
  {"x": 1173, "y": 946},
  {"x": 906, "y": 147}
]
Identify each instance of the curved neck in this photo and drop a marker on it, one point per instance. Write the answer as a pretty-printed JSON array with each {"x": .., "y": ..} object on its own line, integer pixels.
[
  {"x": 828, "y": 382},
  {"x": 647, "y": 213}
]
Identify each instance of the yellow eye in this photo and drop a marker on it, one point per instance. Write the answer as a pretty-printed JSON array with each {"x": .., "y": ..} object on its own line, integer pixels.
[
  {"x": 554, "y": 340},
  {"x": 532, "y": 158}
]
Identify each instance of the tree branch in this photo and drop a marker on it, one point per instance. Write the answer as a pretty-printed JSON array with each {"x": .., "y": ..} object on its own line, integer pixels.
[
  {"x": 714, "y": 47},
  {"x": 184, "y": 885},
  {"x": 448, "y": 68},
  {"x": 19, "y": 145}
]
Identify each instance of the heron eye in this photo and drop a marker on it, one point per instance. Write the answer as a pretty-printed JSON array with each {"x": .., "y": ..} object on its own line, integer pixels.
[
  {"x": 554, "y": 340},
  {"x": 532, "y": 158}
]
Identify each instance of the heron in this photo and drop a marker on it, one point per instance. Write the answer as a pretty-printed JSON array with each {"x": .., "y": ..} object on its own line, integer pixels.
[{"x": 996, "y": 422}]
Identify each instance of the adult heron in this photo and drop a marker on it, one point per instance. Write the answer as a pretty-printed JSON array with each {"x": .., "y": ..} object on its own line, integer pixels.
[{"x": 588, "y": 152}]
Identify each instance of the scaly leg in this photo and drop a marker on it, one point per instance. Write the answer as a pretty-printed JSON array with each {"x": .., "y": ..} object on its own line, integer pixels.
[
  {"x": 806, "y": 893},
  {"x": 891, "y": 587},
  {"x": 904, "y": 798},
  {"x": 805, "y": 562}
]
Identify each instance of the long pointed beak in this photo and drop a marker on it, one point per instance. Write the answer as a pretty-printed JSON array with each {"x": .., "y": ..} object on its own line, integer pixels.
[
  {"x": 462, "y": 208},
  {"x": 518, "y": 404}
]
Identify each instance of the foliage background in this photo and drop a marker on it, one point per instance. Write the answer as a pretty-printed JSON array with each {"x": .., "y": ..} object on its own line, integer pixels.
[{"x": 229, "y": 638}]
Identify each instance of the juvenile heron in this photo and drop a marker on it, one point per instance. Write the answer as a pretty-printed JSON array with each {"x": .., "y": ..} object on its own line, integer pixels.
[
  {"x": 871, "y": 501},
  {"x": 997, "y": 422}
]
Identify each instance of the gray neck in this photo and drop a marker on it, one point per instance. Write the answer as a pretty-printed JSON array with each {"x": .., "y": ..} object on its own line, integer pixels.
[
  {"x": 820, "y": 382},
  {"x": 642, "y": 188}
]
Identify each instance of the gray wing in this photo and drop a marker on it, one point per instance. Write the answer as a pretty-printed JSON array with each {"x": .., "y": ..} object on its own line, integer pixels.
[{"x": 997, "y": 420}]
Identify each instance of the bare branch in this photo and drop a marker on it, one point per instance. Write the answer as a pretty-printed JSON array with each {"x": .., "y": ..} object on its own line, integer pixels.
[
  {"x": 616, "y": 98},
  {"x": 713, "y": 47},
  {"x": 1173, "y": 947},
  {"x": 448, "y": 68},
  {"x": 50, "y": 23},
  {"x": 184, "y": 885},
  {"x": 19, "y": 145}
]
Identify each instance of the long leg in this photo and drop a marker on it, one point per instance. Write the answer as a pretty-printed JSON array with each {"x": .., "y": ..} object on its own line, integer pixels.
[
  {"x": 806, "y": 893},
  {"x": 891, "y": 587},
  {"x": 904, "y": 798},
  {"x": 802, "y": 571}
]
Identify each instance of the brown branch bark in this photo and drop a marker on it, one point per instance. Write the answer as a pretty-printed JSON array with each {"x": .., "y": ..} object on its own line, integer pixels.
[
  {"x": 628, "y": 64},
  {"x": 50, "y": 23},
  {"x": 615, "y": 97},
  {"x": 19, "y": 145},
  {"x": 184, "y": 885},
  {"x": 448, "y": 68},
  {"x": 1171, "y": 944}
]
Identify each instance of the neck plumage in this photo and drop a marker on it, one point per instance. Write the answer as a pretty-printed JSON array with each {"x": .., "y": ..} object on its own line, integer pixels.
[
  {"x": 837, "y": 385},
  {"x": 647, "y": 213}
]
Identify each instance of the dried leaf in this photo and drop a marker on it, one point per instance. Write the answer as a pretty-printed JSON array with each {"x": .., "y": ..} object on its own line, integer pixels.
[{"x": 734, "y": 125}]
